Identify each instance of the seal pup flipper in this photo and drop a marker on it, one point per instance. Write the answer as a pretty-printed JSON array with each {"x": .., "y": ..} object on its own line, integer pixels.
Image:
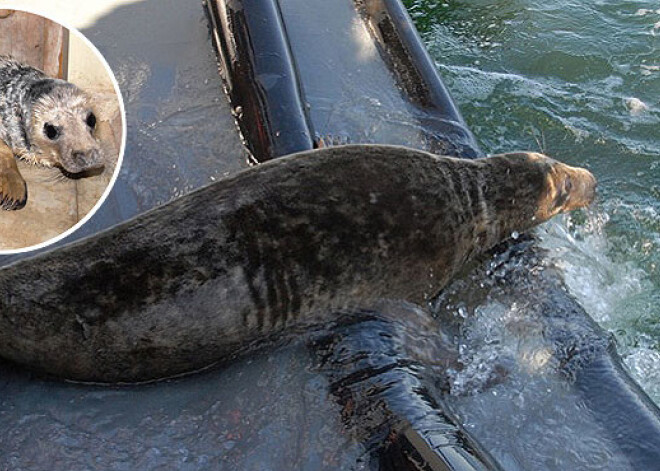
[{"x": 13, "y": 190}]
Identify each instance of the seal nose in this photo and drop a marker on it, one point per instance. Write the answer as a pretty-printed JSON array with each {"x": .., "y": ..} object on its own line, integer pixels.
[
  {"x": 590, "y": 185},
  {"x": 87, "y": 160},
  {"x": 583, "y": 190}
]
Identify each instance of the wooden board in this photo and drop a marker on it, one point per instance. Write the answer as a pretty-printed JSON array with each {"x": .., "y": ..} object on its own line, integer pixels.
[
  {"x": 33, "y": 40},
  {"x": 55, "y": 203}
]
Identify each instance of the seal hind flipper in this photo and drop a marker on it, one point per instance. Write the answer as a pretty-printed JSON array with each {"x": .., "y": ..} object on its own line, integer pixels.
[{"x": 13, "y": 189}]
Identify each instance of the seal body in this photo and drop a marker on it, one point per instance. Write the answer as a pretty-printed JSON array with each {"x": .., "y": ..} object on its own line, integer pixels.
[
  {"x": 273, "y": 248},
  {"x": 45, "y": 121}
]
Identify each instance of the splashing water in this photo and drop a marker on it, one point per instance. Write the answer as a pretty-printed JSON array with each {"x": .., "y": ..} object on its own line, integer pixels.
[
  {"x": 617, "y": 294},
  {"x": 585, "y": 77}
]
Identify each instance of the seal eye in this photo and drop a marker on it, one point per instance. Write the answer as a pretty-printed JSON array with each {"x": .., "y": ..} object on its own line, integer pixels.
[
  {"x": 568, "y": 184},
  {"x": 51, "y": 131},
  {"x": 91, "y": 120}
]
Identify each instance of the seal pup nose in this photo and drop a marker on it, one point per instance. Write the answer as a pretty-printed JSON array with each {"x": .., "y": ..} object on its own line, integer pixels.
[{"x": 87, "y": 160}]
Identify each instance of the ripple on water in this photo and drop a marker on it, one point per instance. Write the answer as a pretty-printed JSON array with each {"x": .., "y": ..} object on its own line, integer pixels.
[
  {"x": 509, "y": 394},
  {"x": 581, "y": 81}
]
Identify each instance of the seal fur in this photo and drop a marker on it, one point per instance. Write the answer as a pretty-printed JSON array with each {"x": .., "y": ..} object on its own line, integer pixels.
[
  {"x": 274, "y": 248},
  {"x": 44, "y": 121}
]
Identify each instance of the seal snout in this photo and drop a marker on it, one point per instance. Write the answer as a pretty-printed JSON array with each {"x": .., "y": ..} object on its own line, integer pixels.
[
  {"x": 579, "y": 188},
  {"x": 566, "y": 189},
  {"x": 83, "y": 160}
]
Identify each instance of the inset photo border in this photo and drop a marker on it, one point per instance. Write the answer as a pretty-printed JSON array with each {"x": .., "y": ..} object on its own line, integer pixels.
[{"x": 62, "y": 129}]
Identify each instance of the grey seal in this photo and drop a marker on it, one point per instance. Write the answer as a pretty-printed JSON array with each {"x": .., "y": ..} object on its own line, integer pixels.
[
  {"x": 269, "y": 252},
  {"x": 44, "y": 121}
]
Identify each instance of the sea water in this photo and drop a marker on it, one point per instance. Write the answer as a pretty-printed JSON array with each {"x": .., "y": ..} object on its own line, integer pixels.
[{"x": 580, "y": 81}]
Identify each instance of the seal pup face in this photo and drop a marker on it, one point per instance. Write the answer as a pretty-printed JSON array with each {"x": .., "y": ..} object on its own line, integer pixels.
[{"x": 63, "y": 127}]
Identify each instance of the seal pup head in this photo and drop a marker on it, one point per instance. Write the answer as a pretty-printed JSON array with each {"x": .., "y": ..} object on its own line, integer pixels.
[{"x": 62, "y": 127}]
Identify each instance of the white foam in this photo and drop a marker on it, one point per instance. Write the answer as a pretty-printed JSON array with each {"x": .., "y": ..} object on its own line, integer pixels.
[
  {"x": 649, "y": 69},
  {"x": 644, "y": 364},
  {"x": 608, "y": 290},
  {"x": 635, "y": 105}
]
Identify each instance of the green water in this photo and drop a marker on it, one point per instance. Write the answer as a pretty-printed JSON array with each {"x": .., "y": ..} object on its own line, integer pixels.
[{"x": 579, "y": 80}]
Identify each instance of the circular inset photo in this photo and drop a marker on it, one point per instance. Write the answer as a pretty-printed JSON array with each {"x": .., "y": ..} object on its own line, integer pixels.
[{"x": 62, "y": 130}]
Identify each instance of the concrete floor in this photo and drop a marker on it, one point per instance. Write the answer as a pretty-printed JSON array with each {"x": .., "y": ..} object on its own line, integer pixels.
[{"x": 56, "y": 203}]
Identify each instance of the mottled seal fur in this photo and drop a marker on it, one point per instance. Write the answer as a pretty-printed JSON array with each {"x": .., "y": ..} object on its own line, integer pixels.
[
  {"x": 268, "y": 250},
  {"x": 45, "y": 121}
]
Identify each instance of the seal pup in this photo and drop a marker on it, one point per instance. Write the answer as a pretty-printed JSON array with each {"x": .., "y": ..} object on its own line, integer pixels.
[
  {"x": 44, "y": 121},
  {"x": 270, "y": 251}
]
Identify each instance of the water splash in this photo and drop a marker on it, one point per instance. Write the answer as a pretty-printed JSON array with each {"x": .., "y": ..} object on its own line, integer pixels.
[
  {"x": 559, "y": 72},
  {"x": 612, "y": 291}
]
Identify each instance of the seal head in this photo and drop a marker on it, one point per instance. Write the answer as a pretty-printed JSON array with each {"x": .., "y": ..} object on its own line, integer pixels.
[
  {"x": 567, "y": 188},
  {"x": 62, "y": 127},
  {"x": 517, "y": 191}
]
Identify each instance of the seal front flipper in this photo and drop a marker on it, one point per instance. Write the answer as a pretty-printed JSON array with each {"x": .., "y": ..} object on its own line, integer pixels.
[{"x": 13, "y": 190}]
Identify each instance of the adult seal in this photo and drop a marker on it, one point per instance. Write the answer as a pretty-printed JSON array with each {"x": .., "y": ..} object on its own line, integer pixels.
[
  {"x": 45, "y": 121},
  {"x": 274, "y": 249}
]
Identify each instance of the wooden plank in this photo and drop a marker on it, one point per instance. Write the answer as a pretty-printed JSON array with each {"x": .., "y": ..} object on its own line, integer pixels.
[
  {"x": 52, "y": 205},
  {"x": 34, "y": 40},
  {"x": 51, "y": 209},
  {"x": 6, "y": 26},
  {"x": 54, "y": 38}
]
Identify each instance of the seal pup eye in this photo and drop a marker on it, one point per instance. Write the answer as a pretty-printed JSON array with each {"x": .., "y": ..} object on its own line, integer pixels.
[
  {"x": 51, "y": 131},
  {"x": 91, "y": 120}
]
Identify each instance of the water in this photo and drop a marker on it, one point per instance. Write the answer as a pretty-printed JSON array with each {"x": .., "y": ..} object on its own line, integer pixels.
[
  {"x": 579, "y": 80},
  {"x": 595, "y": 104}
]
